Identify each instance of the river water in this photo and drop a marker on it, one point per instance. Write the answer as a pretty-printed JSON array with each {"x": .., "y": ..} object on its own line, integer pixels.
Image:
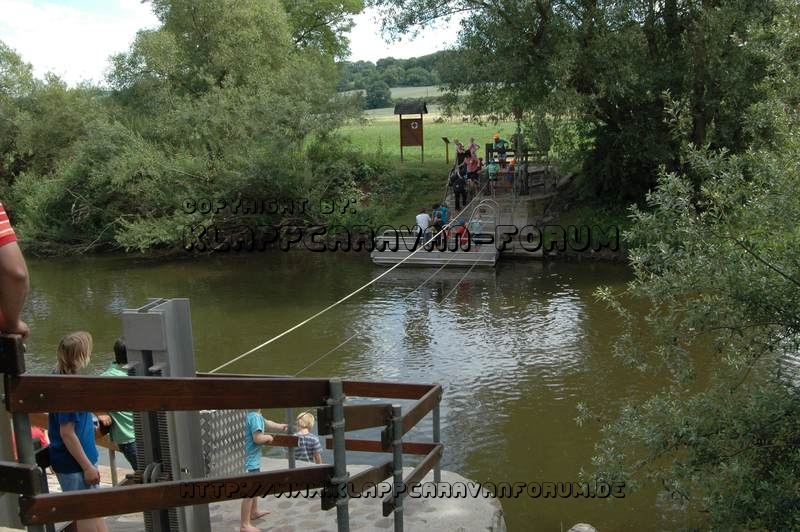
[{"x": 516, "y": 349}]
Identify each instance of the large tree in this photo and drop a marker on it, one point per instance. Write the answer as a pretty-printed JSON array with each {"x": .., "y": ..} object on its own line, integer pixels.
[
  {"x": 608, "y": 65},
  {"x": 221, "y": 101},
  {"x": 719, "y": 264}
]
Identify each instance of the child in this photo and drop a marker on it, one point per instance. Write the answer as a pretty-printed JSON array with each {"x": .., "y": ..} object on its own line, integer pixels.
[
  {"x": 308, "y": 446},
  {"x": 120, "y": 424},
  {"x": 73, "y": 453},
  {"x": 255, "y": 437}
]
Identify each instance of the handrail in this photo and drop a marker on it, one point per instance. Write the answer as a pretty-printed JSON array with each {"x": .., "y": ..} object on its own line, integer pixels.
[
  {"x": 29, "y": 395},
  {"x": 67, "y": 393},
  {"x": 76, "y": 505}
]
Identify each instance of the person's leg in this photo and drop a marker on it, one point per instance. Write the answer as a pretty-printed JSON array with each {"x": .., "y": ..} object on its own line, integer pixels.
[
  {"x": 247, "y": 508},
  {"x": 129, "y": 450},
  {"x": 76, "y": 482},
  {"x": 91, "y": 525}
]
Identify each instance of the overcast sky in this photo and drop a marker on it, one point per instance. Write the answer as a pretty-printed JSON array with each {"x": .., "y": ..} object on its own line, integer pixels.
[{"x": 74, "y": 38}]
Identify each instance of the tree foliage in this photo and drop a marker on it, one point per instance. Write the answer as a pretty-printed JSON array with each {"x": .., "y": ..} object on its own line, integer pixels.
[
  {"x": 220, "y": 101},
  {"x": 413, "y": 72},
  {"x": 716, "y": 253},
  {"x": 607, "y": 64},
  {"x": 378, "y": 95}
]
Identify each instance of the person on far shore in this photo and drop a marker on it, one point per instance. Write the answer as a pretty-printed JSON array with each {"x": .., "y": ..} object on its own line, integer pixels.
[
  {"x": 437, "y": 223},
  {"x": 473, "y": 147},
  {"x": 500, "y": 147},
  {"x": 461, "y": 155},
  {"x": 423, "y": 222},
  {"x": 445, "y": 213},
  {"x": 459, "y": 185},
  {"x": 473, "y": 171}
]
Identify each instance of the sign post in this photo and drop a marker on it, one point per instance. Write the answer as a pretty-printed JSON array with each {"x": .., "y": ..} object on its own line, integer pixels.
[{"x": 411, "y": 132}]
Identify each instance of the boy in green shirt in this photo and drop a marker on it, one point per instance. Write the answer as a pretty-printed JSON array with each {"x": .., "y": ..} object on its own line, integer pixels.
[{"x": 121, "y": 423}]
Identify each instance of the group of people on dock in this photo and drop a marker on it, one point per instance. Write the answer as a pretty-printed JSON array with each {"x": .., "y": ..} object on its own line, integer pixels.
[
  {"x": 435, "y": 227},
  {"x": 465, "y": 177}
]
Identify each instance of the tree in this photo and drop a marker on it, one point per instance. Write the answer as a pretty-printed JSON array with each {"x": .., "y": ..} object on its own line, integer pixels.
[
  {"x": 608, "y": 64},
  {"x": 16, "y": 83},
  {"x": 378, "y": 94},
  {"x": 322, "y": 24},
  {"x": 394, "y": 76},
  {"x": 216, "y": 102},
  {"x": 418, "y": 77},
  {"x": 718, "y": 264}
]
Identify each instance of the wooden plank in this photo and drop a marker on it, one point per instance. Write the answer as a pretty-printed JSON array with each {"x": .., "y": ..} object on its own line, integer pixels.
[
  {"x": 12, "y": 354},
  {"x": 414, "y": 478},
  {"x": 425, "y": 465},
  {"x": 39, "y": 419},
  {"x": 421, "y": 408},
  {"x": 373, "y": 446},
  {"x": 358, "y": 417},
  {"x": 85, "y": 504},
  {"x": 247, "y": 376},
  {"x": 65, "y": 393},
  {"x": 20, "y": 478},
  {"x": 283, "y": 440},
  {"x": 395, "y": 390}
]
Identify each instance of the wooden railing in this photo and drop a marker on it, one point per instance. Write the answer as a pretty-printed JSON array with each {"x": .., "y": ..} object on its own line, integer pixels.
[{"x": 29, "y": 394}]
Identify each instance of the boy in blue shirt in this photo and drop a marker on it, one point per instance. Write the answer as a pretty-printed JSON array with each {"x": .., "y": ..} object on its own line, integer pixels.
[{"x": 255, "y": 437}]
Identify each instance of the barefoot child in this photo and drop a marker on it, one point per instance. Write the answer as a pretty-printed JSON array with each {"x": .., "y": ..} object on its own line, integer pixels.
[
  {"x": 73, "y": 453},
  {"x": 255, "y": 437},
  {"x": 308, "y": 446}
]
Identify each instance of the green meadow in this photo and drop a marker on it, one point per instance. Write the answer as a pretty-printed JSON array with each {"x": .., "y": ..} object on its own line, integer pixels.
[
  {"x": 381, "y": 135},
  {"x": 379, "y": 131}
]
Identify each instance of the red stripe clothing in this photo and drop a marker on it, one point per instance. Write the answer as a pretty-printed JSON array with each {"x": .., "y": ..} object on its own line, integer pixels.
[{"x": 7, "y": 234}]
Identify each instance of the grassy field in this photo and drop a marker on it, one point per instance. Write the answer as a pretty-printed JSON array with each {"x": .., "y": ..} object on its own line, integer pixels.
[
  {"x": 428, "y": 91},
  {"x": 382, "y": 135}
]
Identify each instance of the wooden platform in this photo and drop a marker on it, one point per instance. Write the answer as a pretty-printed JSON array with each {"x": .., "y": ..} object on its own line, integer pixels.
[{"x": 395, "y": 247}]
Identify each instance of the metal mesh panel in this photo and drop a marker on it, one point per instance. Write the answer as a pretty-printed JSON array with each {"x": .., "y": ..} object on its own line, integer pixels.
[
  {"x": 222, "y": 433},
  {"x": 167, "y": 467}
]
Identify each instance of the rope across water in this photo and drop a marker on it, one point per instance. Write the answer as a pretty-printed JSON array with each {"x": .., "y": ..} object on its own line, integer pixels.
[{"x": 348, "y": 296}]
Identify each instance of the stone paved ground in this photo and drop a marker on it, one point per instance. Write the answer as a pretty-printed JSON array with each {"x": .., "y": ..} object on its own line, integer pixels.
[{"x": 303, "y": 514}]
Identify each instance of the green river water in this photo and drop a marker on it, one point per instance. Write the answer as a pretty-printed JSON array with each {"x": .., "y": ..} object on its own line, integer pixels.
[{"x": 516, "y": 349}]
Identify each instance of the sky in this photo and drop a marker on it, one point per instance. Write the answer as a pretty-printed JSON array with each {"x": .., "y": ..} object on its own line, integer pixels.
[{"x": 74, "y": 38}]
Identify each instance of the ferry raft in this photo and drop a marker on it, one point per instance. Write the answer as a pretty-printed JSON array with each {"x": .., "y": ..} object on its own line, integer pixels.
[{"x": 466, "y": 242}]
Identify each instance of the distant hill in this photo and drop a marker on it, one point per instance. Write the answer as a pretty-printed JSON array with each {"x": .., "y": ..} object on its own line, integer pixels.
[{"x": 414, "y": 72}]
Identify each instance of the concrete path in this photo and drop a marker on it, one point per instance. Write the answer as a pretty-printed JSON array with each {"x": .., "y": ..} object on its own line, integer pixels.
[{"x": 421, "y": 514}]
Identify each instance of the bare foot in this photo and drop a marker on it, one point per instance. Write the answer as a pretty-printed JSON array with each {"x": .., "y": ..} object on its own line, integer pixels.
[
  {"x": 259, "y": 514},
  {"x": 249, "y": 528}
]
